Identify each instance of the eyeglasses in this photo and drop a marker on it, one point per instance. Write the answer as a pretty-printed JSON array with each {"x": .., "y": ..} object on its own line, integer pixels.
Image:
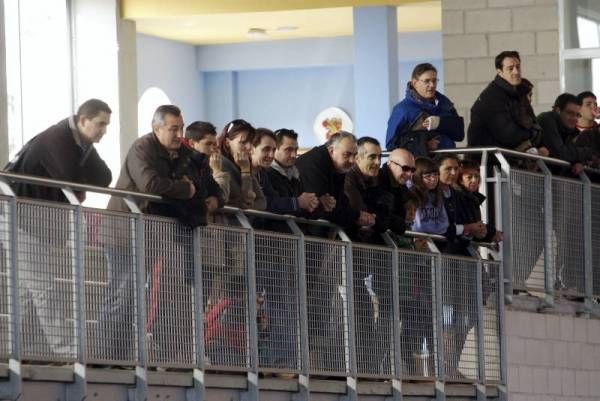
[
  {"x": 431, "y": 175},
  {"x": 433, "y": 81},
  {"x": 404, "y": 168}
]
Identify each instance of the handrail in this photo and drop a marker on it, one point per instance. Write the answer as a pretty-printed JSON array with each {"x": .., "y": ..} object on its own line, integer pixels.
[
  {"x": 49, "y": 182},
  {"x": 418, "y": 234},
  {"x": 508, "y": 152},
  {"x": 279, "y": 217},
  {"x": 226, "y": 209}
]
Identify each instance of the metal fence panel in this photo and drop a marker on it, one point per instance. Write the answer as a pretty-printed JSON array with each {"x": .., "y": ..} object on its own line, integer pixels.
[
  {"x": 596, "y": 239},
  {"x": 372, "y": 272},
  {"x": 225, "y": 291},
  {"x": 278, "y": 301},
  {"x": 527, "y": 229},
  {"x": 5, "y": 249},
  {"x": 326, "y": 284},
  {"x": 567, "y": 208},
  {"x": 110, "y": 287},
  {"x": 492, "y": 301},
  {"x": 45, "y": 261},
  {"x": 417, "y": 314},
  {"x": 169, "y": 303},
  {"x": 459, "y": 317}
]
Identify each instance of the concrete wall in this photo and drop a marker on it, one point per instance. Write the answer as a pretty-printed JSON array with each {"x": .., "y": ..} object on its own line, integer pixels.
[
  {"x": 552, "y": 357},
  {"x": 475, "y": 31}
]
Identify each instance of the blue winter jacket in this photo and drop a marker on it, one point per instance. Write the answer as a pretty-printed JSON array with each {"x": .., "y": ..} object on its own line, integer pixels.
[{"x": 405, "y": 113}]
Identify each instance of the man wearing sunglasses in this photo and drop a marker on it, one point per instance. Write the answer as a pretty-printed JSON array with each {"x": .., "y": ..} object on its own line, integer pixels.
[{"x": 393, "y": 177}]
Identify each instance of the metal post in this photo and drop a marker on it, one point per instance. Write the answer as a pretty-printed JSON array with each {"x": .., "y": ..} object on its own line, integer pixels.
[
  {"x": 438, "y": 322},
  {"x": 397, "y": 380},
  {"x": 549, "y": 268},
  {"x": 483, "y": 185},
  {"x": 303, "y": 378},
  {"x": 140, "y": 392},
  {"x": 503, "y": 202},
  {"x": 197, "y": 392},
  {"x": 480, "y": 386},
  {"x": 351, "y": 379},
  {"x": 77, "y": 390},
  {"x": 252, "y": 392},
  {"x": 587, "y": 241},
  {"x": 13, "y": 388},
  {"x": 502, "y": 388}
]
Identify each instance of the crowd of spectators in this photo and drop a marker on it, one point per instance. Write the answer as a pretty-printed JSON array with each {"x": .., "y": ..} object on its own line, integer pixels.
[{"x": 197, "y": 170}]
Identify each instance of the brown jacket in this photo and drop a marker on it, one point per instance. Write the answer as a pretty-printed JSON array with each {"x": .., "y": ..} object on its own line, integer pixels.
[{"x": 148, "y": 168}]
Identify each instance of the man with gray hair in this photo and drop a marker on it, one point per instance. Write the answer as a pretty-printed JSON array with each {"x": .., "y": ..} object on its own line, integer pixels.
[
  {"x": 157, "y": 163},
  {"x": 323, "y": 172}
]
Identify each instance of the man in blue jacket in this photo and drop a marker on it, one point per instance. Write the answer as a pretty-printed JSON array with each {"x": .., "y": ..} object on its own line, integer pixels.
[{"x": 425, "y": 120}]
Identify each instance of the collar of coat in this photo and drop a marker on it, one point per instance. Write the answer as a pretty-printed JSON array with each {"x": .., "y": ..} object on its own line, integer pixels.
[{"x": 289, "y": 172}]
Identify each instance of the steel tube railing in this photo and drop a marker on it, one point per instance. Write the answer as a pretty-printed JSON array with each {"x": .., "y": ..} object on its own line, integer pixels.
[{"x": 339, "y": 264}]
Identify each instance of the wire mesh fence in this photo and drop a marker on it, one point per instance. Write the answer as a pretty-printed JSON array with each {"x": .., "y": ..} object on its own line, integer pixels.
[
  {"x": 225, "y": 292},
  {"x": 110, "y": 287},
  {"x": 169, "y": 279},
  {"x": 278, "y": 301},
  {"x": 596, "y": 239},
  {"x": 46, "y": 287},
  {"x": 492, "y": 302},
  {"x": 459, "y": 317},
  {"x": 417, "y": 314},
  {"x": 5, "y": 266},
  {"x": 567, "y": 218},
  {"x": 373, "y": 306},
  {"x": 527, "y": 234},
  {"x": 327, "y": 300}
]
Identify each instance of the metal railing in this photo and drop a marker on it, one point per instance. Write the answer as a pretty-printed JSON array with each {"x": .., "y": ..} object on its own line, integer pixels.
[
  {"x": 88, "y": 287},
  {"x": 550, "y": 225}
]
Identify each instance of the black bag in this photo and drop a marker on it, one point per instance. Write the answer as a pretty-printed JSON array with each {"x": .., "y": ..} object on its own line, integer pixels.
[{"x": 414, "y": 138}]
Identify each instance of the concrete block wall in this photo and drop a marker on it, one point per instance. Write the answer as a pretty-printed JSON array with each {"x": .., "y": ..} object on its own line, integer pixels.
[
  {"x": 475, "y": 31},
  {"x": 552, "y": 357}
]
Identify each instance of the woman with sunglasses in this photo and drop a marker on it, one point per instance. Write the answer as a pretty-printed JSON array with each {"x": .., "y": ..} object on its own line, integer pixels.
[{"x": 244, "y": 189}]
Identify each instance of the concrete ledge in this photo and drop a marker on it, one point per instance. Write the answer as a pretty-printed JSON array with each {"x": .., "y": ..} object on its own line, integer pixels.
[
  {"x": 492, "y": 391},
  {"x": 328, "y": 386},
  {"x": 460, "y": 390},
  {"x": 275, "y": 384},
  {"x": 375, "y": 388},
  {"x": 226, "y": 381},
  {"x": 419, "y": 389},
  {"x": 3, "y": 370},
  {"x": 174, "y": 379},
  {"x": 47, "y": 373},
  {"x": 111, "y": 376}
]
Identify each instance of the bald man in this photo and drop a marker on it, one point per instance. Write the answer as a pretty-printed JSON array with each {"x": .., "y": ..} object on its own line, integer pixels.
[{"x": 393, "y": 177}]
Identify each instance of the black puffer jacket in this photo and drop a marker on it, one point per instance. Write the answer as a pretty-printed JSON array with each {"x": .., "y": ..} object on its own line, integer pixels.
[{"x": 502, "y": 117}]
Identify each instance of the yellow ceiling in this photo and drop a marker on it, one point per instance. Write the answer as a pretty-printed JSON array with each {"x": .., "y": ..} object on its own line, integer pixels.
[{"x": 214, "y": 21}]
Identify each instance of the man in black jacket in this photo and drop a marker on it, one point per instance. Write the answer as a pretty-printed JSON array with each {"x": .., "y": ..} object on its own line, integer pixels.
[
  {"x": 323, "y": 172},
  {"x": 502, "y": 115},
  {"x": 64, "y": 151},
  {"x": 393, "y": 177},
  {"x": 560, "y": 132}
]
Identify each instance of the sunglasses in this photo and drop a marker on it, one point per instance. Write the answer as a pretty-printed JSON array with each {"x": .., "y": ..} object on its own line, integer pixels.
[{"x": 404, "y": 168}]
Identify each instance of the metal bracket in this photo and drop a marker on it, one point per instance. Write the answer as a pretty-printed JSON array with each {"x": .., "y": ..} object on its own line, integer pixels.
[
  {"x": 549, "y": 262},
  {"x": 304, "y": 377},
  {"x": 397, "y": 380},
  {"x": 13, "y": 388},
  {"x": 197, "y": 392},
  {"x": 587, "y": 242}
]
